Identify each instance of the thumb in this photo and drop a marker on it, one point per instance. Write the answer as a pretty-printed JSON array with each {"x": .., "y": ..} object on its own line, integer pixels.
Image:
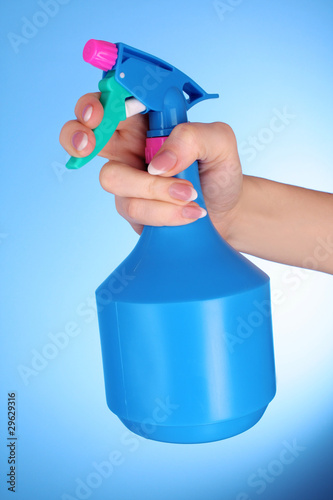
[{"x": 209, "y": 143}]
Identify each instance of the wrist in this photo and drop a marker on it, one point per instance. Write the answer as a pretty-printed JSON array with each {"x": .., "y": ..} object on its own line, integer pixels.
[
  {"x": 246, "y": 215},
  {"x": 233, "y": 220}
]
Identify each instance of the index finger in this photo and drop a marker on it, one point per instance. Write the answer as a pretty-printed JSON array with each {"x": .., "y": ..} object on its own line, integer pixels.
[{"x": 89, "y": 110}]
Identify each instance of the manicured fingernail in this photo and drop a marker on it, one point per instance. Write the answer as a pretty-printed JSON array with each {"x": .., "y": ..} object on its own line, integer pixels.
[
  {"x": 79, "y": 140},
  {"x": 87, "y": 112},
  {"x": 182, "y": 192},
  {"x": 194, "y": 212},
  {"x": 162, "y": 163}
]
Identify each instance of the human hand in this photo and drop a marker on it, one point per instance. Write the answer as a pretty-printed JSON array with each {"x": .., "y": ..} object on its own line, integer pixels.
[{"x": 145, "y": 198}]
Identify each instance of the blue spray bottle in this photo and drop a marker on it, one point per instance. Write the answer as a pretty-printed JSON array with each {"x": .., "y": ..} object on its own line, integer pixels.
[{"x": 185, "y": 320}]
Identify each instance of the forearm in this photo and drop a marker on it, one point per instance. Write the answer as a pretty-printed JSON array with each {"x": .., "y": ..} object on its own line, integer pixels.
[{"x": 284, "y": 223}]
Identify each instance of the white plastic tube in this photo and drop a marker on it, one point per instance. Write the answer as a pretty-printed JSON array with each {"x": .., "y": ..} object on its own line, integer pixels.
[{"x": 133, "y": 107}]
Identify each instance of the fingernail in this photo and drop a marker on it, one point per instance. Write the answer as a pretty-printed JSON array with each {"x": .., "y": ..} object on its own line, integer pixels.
[
  {"x": 182, "y": 192},
  {"x": 79, "y": 140},
  {"x": 162, "y": 163},
  {"x": 194, "y": 212},
  {"x": 86, "y": 113}
]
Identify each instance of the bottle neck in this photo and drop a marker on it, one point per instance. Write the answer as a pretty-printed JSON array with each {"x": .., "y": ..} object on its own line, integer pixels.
[
  {"x": 173, "y": 113},
  {"x": 161, "y": 124}
]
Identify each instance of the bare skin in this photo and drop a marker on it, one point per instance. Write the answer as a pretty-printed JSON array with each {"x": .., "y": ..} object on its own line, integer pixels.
[{"x": 275, "y": 221}]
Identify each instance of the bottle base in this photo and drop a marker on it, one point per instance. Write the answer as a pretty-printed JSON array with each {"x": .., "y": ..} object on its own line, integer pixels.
[{"x": 195, "y": 434}]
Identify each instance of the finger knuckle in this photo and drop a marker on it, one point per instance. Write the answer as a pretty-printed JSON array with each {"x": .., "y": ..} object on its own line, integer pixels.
[
  {"x": 108, "y": 177},
  {"x": 185, "y": 133},
  {"x": 151, "y": 187},
  {"x": 133, "y": 209},
  {"x": 224, "y": 129}
]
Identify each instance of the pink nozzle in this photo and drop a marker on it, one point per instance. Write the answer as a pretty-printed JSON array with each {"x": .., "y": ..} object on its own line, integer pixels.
[
  {"x": 153, "y": 144},
  {"x": 102, "y": 55}
]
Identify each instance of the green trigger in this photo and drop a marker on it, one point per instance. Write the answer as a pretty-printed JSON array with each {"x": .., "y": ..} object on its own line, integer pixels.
[{"x": 113, "y": 101}]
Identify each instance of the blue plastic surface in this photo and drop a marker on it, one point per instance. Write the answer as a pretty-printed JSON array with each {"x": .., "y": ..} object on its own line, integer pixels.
[
  {"x": 166, "y": 91},
  {"x": 185, "y": 320},
  {"x": 149, "y": 79}
]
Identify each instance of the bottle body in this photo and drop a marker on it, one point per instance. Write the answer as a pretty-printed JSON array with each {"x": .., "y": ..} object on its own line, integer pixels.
[
  {"x": 189, "y": 372},
  {"x": 186, "y": 335}
]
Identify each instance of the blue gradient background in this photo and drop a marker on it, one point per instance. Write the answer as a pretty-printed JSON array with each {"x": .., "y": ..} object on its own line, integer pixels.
[{"x": 61, "y": 236}]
